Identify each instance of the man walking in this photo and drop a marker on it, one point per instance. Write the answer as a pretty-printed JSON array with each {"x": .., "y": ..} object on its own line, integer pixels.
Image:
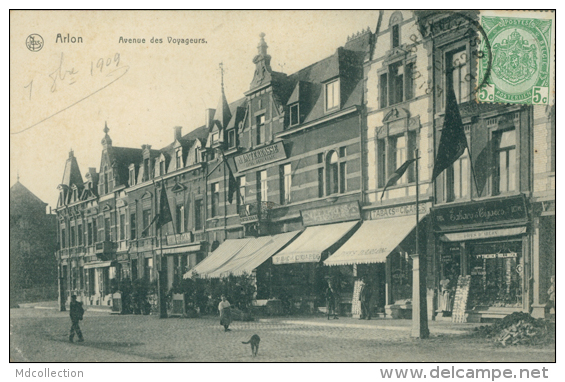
[{"x": 76, "y": 313}]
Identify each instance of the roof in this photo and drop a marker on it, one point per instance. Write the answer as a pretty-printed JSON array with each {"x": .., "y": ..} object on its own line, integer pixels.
[
  {"x": 71, "y": 175},
  {"x": 123, "y": 157},
  {"x": 19, "y": 194}
]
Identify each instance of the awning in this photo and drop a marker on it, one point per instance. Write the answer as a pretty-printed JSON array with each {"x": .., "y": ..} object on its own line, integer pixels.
[
  {"x": 98, "y": 264},
  {"x": 255, "y": 253},
  {"x": 373, "y": 241},
  {"x": 308, "y": 247},
  {"x": 182, "y": 249},
  {"x": 485, "y": 234},
  {"x": 224, "y": 253}
]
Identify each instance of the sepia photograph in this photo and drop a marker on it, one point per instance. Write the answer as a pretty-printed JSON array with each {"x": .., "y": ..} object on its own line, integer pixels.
[{"x": 283, "y": 186}]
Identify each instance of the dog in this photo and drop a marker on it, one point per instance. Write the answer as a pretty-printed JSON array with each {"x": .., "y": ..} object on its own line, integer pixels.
[{"x": 254, "y": 341}]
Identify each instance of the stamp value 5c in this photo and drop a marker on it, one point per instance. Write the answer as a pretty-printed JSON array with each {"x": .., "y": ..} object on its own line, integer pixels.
[{"x": 522, "y": 54}]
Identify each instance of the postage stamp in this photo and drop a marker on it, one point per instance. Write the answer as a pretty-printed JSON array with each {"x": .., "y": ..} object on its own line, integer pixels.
[{"x": 521, "y": 60}]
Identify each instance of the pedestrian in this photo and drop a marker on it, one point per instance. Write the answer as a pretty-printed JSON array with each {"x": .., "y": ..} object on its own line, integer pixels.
[
  {"x": 365, "y": 296},
  {"x": 225, "y": 313},
  {"x": 331, "y": 296},
  {"x": 76, "y": 313}
]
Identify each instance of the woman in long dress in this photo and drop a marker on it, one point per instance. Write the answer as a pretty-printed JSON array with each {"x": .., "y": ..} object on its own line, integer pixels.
[{"x": 225, "y": 313}]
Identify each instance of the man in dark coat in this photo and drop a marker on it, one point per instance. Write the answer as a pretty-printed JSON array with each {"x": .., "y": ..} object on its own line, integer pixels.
[{"x": 76, "y": 313}]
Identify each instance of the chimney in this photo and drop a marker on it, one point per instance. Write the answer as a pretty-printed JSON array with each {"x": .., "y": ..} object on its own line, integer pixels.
[
  {"x": 210, "y": 117},
  {"x": 178, "y": 132}
]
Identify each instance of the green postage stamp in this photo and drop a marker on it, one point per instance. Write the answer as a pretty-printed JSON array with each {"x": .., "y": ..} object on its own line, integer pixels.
[{"x": 518, "y": 61}]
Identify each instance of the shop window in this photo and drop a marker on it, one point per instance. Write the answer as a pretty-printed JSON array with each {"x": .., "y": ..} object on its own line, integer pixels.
[
  {"x": 294, "y": 116},
  {"x": 260, "y": 129},
  {"x": 458, "y": 73},
  {"x": 198, "y": 214},
  {"x": 401, "y": 265},
  {"x": 505, "y": 159},
  {"x": 215, "y": 191},
  {"x": 286, "y": 183},
  {"x": 132, "y": 226},
  {"x": 496, "y": 275},
  {"x": 332, "y": 95}
]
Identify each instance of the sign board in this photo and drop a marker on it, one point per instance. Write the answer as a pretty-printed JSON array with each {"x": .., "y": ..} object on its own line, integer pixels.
[
  {"x": 355, "y": 302},
  {"x": 477, "y": 235},
  {"x": 181, "y": 238},
  {"x": 409, "y": 209},
  {"x": 331, "y": 214},
  {"x": 481, "y": 213},
  {"x": 261, "y": 156},
  {"x": 460, "y": 301},
  {"x": 297, "y": 258}
]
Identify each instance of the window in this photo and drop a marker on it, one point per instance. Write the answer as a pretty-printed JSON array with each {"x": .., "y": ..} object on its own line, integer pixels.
[
  {"x": 212, "y": 154},
  {"x": 146, "y": 222},
  {"x": 458, "y": 74},
  {"x": 231, "y": 138},
  {"x": 215, "y": 138},
  {"x": 262, "y": 186},
  {"x": 94, "y": 231},
  {"x": 241, "y": 190},
  {"x": 397, "y": 85},
  {"x": 63, "y": 238},
  {"x": 286, "y": 183},
  {"x": 79, "y": 234},
  {"x": 132, "y": 226},
  {"x": 146, "y": 169},
  {"x": 395, "y": 35},
  {"x": 260, "y": 129},
  {"x": 396, "y": 72},
  {"x": 392, "y": 153},
  {"x": 162, "y": 168},
  {"x": 505, "y": 162},
  {"x": 342, "y": 178},
  {"x": 320, "y": 182},
  {"x": 89, "y": 234},
  {"x": 107, "y": 229},
  {"x": 72, "y": 234},
  {"x": 383, "y": 90},
  {"x": 180, "y": 218},
  {"x": 294, "y": 117},
  {"x": 148, "y": 275},
  {"x": 332, "y": 173},
  {"x": 457, "y": 179},
  {"x": 215, "y": 190},
  {"x": 122, "y": 226},
  {"x": 186, "y": 219},
  {"x": 105, "y": 180},
  {"x": 132, "y": 176},
  {"x": 332, "y": 95},
  {"x": 198, "y": 214}
]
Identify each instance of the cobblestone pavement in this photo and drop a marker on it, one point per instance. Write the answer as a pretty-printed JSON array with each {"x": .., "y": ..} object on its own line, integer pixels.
[{"x": 41, "y": 335}]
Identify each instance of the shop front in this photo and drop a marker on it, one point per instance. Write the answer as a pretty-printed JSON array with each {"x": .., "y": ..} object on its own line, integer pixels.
[
  {"x": 180, "y": 253},
  {"x": 299, "y": 277},
  {"x": 488, "y": 242}
]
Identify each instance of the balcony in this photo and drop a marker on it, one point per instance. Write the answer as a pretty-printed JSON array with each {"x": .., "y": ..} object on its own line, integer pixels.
[
  {"x": 255, "y": 212},
  {"x": 105, "y": 248}
]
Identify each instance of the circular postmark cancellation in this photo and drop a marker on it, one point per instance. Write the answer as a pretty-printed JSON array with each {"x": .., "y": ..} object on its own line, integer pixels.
[
  {"x": 521, "y": 61},
  {"x": 34, "y": 42}
]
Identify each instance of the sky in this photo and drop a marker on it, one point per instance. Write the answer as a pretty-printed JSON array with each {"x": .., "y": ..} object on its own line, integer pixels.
[{"x": 62, "y": 95}]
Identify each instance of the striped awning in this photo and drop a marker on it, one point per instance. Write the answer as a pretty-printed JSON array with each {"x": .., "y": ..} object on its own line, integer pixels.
[
  {"x": 373, "y": 241},
  {"x": 310, "y": 245},
  {"x": 224, "y": 253}
]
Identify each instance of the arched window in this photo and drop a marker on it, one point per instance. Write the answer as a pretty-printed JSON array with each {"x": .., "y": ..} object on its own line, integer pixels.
[{"x": 332, "y": 173}]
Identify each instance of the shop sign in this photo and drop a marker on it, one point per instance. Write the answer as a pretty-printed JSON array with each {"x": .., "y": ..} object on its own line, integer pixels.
[
  {"x": 181, "y": 238},
  {"x": 475, "y": 235},
  {"x": 297, "y": 258},
  {"x": 498, "y": 255},
  {"x": 264, "y": 155},
  {"x": 331, "y": 214},
  {"x": 478, "y": 271},
  {"x": 390, "y": 212},
  {"x": 481, "y": 213},
  {"x": 446, "y": 258}
]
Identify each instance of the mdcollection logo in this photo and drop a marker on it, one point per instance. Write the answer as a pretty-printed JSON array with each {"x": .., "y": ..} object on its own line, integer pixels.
[{"x": 34, "y": 42}]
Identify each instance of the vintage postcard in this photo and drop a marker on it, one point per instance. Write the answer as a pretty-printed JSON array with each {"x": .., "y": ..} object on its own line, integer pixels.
[{"x": 283, "y": 186}]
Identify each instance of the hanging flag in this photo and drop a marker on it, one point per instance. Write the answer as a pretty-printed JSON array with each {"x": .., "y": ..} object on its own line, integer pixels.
[
  {"x": 232, "y": 183},
  {"x": 164, "y": 209},
  {"x": 453, "y": 141},
  {"x": 149, "y": 226},
  {"x": 397, "y": 175}
]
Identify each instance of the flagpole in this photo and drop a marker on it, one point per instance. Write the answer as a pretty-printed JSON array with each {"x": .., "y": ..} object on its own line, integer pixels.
[{"x": 419, "y": 305}]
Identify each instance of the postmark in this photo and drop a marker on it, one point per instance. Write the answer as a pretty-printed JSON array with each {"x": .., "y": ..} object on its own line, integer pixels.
[{"x": 521, "y": 49}]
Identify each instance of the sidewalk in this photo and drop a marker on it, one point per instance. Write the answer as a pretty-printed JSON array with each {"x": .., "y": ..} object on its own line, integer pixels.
[
  {"x": 435, "y": 327},
  {"x": 54, "y": 305}
]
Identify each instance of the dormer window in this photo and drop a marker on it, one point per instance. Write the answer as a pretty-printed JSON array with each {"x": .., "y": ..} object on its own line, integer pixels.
[
  {"x": 161, "y": 167},
  {"x": 132, "y": 175},
  {"x": 179, "y": 159},
  {"x": 231, "y": 138},
  {"x": 215, "y": 138},
  {"x": 294, "y": 116},
  {"x": 260, "y": 129},
  {"x": 332, "y": 95}
]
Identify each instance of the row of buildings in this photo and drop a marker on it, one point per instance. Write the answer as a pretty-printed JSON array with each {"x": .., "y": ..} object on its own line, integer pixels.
[{"x": 286, "y": 183}]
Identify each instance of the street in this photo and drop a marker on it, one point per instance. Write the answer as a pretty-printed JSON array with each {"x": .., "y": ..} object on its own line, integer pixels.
[{"x": 41, "y": 335}]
